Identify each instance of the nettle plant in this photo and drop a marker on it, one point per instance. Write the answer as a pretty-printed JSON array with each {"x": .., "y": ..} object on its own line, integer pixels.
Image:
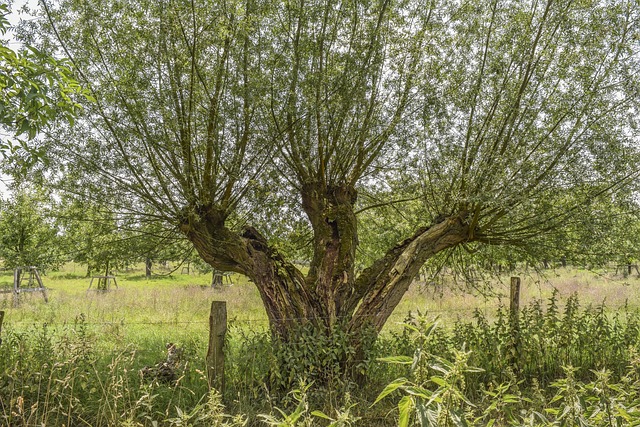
[
  {"x": 434, "y": 392},
  {"x": 437, "y": 390}
]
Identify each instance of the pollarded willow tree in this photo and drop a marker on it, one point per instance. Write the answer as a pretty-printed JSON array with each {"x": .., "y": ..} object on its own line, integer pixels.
[{"x": 499, "y": 117}]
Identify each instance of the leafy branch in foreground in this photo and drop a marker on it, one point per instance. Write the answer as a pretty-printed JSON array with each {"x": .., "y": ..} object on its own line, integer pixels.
[{"x": 36, "y": 89}]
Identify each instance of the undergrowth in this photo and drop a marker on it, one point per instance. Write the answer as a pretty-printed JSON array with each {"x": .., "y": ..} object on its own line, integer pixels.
[{"x": 559, "y": 364}]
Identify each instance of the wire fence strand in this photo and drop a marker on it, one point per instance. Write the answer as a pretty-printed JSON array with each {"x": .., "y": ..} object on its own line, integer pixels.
[{"x": 235, "y": 321}]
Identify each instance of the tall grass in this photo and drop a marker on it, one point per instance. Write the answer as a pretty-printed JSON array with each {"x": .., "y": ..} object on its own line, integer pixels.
[
  {"x": 71, "y": 375},
  {"x": 66, "y": 376},
  {"x": 78, "y": 359}
]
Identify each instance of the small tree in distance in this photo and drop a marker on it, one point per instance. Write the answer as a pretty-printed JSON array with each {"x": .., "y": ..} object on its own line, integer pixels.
[{"x": 29, "y": 235}]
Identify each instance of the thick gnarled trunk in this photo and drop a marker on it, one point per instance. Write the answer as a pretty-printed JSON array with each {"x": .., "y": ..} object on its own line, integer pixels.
[
  {"x": 285, "y": 296},
  {"x": 330, "y": 293},
  {"x": 332, "y": 270}
]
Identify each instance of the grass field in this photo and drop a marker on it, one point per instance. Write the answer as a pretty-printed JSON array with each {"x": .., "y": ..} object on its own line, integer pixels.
[
  {"x": 185, "y": 298},
  {"x": 127, "y": 328}
]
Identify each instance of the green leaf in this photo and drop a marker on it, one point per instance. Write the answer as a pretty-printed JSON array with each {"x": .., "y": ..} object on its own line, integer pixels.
[
  {"x": 405, "y": 407},
  {"x": 440, "y": 381},
  {"x": 390, "y": 388},
  {"x": 458, "y": 418},
  {"x": 402, "y": 360},
  {"x": 426, "y": 416},
  {"x": 321, "y": 414},
  {"x": 418, "y": 391}
]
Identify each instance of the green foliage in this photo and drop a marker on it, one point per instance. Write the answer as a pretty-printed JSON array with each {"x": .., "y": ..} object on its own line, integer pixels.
[
  {"x": 210, "y": 413},
  {"x": 300, "y": 415},
  {"x": 87, "y": 370},
  {"x": 29, "y": 235},
  {"x": 504, "y": 118},
  {"x": 66, "y": 375},
  {"x": 517, "y": 114},
  {"x": 303, "y": 417},
  {"x": 94, "y": 236},
  {"x": 549, "y": 339},
  {"x": 312, "y": 355},
  {"x": 435, "y": 391},
  {"x": 35, "y": 90},
  {"x": 438, "y": 391}
]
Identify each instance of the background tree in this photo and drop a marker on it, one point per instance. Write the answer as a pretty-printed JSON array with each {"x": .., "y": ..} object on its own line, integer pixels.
[
  {"x": 92, "y": 238},
  {"x": 29, "y": 235},
  {"x": 152, "y": 243},
  {"x": 94, "y": 235},
  {"x": 501, "y": 117}
]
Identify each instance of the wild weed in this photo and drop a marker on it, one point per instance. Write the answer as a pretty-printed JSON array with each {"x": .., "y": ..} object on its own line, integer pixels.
[
  {"x": 210, "y": 413},
  {"x": 302, "y": 416},
  {"x": 434, "y": 393}
]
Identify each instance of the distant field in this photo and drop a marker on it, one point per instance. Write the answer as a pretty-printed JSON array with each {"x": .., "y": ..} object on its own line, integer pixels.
[
  {"x": 182, "y": 300},
  {"x": 145, "y": 314}
]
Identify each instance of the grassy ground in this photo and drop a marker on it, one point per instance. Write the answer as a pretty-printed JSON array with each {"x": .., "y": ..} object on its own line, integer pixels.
[
  {"x": 148, "y": 313},
  {"x": 128, "y": 328},
  {"x": 184, "y": 299},
  {"x": 454, "y": 300},
  {"x": 176, "y": 298}
]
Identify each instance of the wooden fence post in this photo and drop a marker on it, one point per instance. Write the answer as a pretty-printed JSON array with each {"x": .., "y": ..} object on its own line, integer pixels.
[
  {"x": 1, "y": 319},
  {"x": 514, "y": 305},
  {"x": 215, "y": 352},
  {"x": 17, "y": 273},
  {"x": 514, "y": 308}
]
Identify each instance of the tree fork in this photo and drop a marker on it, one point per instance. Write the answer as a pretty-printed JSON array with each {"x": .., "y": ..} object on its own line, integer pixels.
[
  {"x": 380, "y": 287},
  {"x": 292, "y": 300},
  {"x": 282, "y": 287}
]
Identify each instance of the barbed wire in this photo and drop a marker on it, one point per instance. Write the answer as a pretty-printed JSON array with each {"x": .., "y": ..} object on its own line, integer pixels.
[
  {"x": 232, "y": 321},
  {"x": 119, "y": 323}
]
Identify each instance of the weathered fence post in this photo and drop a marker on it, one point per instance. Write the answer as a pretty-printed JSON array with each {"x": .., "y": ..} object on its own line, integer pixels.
[
  {"x": 215, "y": 353},
  {"x": 514, "y": 308},
  {"x": 1, "y": 319},
  {"x": 17, "y": 273},
  {"x": 514, "y": 305}
]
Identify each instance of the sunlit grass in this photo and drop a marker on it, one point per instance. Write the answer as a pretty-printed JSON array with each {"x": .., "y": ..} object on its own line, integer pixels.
[
  {"x": 147, "y": 306},
  {"x": 458, "y": 301},
  {"x": 178, "y": 298}
]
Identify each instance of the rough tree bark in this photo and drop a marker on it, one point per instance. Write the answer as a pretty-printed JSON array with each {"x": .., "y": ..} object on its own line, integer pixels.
[{"x": 330, "y": 292}]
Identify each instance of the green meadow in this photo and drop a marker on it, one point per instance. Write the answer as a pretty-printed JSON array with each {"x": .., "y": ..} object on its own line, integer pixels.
[
  {"x": 79, "y": 359},
  {"x": 173, "y": 298}
]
